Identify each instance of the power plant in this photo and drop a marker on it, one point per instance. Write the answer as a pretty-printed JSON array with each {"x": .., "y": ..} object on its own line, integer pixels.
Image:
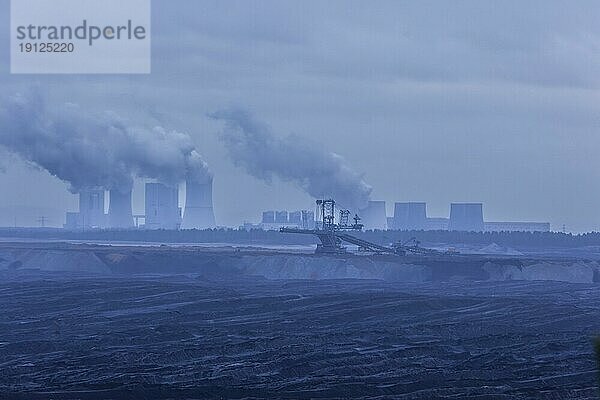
[
  {"x": 161, "y": 210},
  {"x": 99, "y": 170},
  {"x": 409, "y": 216},
  {"x": 281, "y": 217},
  {"x": 162, "y": 207},
  {"x": 463, "y": 217},
  {"x": 199, "y": 213},
  {"x": 268, "y": 217},
  {"x": 332, "y": 232},
  {"x": 273, "y": 220},
  {"x": 120, "y": 215},
  {"x": 91, "y": 208},
  {"x": 466, "y": 217}
]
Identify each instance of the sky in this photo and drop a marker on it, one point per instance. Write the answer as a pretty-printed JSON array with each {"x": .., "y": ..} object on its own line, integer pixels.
[{"x": 436, "y": 101}]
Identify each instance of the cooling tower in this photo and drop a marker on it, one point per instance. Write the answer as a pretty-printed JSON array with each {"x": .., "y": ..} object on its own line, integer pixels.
[
  {"x": 91, "y": 208},
  {"x": 199, "y": 212},
  {"x": 268, "y": 217},
  {"x": 281, "y": 217},
  {"x": 308, "y": 219},
  {"x": 295, "y": 217},
  {"x": 374, "y": 216},
  {"x": 466, "y": 217},
  {"x": 119, "y": 210},
  {"x": 162, "y": 207},
  {"x": 410, "y": 216}
]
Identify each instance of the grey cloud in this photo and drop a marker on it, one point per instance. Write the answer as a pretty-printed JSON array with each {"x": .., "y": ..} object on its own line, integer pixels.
[{"x": 474, "y": 41}]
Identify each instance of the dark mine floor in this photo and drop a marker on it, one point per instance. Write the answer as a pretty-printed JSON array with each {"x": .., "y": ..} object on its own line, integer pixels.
[{"x": 177, "y": 337}]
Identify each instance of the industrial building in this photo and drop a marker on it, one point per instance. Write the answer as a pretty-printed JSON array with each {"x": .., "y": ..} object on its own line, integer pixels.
[
  {"x": 517, "y": 227},
  {"x": 71, "y": 220},
  {"x": 463, "y": 217},
  {"x": 91, "y": 210},
  {"x": 437, "y": 224},
  {"x": 407, "y": 216},
  {"x": 162, "y": 211},
  {"x": 273, "y": 220},
  {"x": 162, "y": 207}
]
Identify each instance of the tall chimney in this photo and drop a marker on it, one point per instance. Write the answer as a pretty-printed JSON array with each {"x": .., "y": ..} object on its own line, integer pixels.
[
  {"x": 119, "y": 210},
  {"x": 199, "y": 212}
]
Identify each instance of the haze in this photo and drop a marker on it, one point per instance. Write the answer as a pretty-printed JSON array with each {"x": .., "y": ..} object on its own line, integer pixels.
[{"x": 429, "y": 101}]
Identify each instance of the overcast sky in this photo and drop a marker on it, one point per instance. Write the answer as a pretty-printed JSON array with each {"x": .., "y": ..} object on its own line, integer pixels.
[{"x": 442, "y": 101}]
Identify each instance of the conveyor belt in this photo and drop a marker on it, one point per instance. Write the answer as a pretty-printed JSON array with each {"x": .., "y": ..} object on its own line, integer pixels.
[{"x": 364, "y": 244}]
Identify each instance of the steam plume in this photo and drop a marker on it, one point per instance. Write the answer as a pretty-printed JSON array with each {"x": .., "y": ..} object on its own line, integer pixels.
[
  {"x": 253, "y": 146},
  {"x": 86, "y": 149}
]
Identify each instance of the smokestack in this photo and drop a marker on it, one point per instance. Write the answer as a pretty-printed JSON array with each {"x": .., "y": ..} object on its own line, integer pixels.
[
  {"x": 119, "y": 210},
  {"x": 91, "y": 208},
  {"x": 199, "y": 212}
]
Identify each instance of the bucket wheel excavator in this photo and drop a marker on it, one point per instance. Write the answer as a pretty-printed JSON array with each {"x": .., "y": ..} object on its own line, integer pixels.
[{"x": 332, "y": 235}]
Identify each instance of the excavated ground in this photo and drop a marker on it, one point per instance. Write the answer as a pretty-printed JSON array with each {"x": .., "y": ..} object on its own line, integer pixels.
[
  {"x": 227, "y": 263},
  {"x": 97, "y": 322},
  {"x": 99, "y": 338}
]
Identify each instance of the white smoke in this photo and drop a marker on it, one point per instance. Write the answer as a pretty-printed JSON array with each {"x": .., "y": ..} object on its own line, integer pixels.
[
  {"x": 254, "y": 147},
  {"x": 197, "y": 169},
  {"x": 86, "y": 149}
]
